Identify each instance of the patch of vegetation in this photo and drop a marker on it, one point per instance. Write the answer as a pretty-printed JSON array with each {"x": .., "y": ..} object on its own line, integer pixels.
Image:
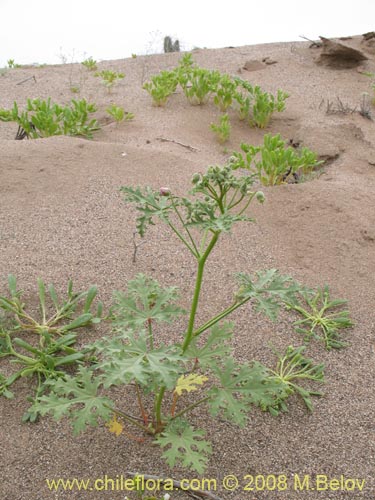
[
  {"x": 45, "y": 119},
  {"x": 109, "y": 77},
  {"x": 90, "y": 64},
  {"x": 12, "y": 64},
  {"x": 199, "y": 84},
  {"x": 273, "y": 163},
  {"x": 119, "y": 114}
]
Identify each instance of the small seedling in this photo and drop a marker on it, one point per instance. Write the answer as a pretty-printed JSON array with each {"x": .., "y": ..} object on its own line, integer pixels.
[
  {"x": 222, "y": 130},
  {"x": 119, "y": 114},
  {"x": 90, "y": 64},
  {"x": 109, "y": 78}
]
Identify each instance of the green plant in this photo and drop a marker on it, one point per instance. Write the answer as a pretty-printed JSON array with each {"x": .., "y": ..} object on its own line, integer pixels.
[
  {"x": 109, "y": 77},
  {"x": 290, "y": 369},
  {"x": 277, "y": 162},
  {"x": 134, "y": 56},
  {"x": 256, "y": 106},
  {"x": 222, "y": 130},
  {"x": 12, "y": 64},
  {"x": 53, "y": 334},
  {"x": 200, "y": 359},
  {"x": 59, "y": 320},
  {"x": 323, "y": 318},
  {"x": 45, "y": 119},
  {"x": 90, "y": 64},
  {"x": 197, "y": 83},
  {"x": 265, "y": 105},
  {"x": 225, "y": 92},
  {"x": 119, "y": 114},
  {"x": 161, "y": 87}
]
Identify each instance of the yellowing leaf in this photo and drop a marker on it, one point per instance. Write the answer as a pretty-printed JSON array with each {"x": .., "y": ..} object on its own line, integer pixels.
[
  {"x": 115, "y": 426},
  {"x": 189, "y": 383}
]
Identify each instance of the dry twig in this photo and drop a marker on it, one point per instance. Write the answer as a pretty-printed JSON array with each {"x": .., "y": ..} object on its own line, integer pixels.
[
  {"x": 312, "y": 42},
  {"x": 26, "y": 80},
  {"x": 191, "y": 148}
]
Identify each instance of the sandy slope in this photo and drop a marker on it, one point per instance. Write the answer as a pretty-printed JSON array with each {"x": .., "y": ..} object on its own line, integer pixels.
[{"x": 62, "y": 216}]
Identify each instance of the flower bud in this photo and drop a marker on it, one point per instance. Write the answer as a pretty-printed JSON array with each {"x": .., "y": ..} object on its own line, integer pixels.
[
  {"x": 164, "y": 191},
  {"x": 195, "y": 178},
  {"x": 260, "y": 196}
]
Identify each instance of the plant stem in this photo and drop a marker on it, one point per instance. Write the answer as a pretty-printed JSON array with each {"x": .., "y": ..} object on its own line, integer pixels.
[
  {"x": 189, "y": 334},
  {"x": 219, "y": 317},
  {"x": 198, "y": 285},
  {"x": 179, "y": 235},
  {"x": 143, "y": 413},
  {"x": 190, "y": 407},
  {"x": 196, "y": 252},
  {"x": 158, "y": 404},
  {"x": 150, "y": 336},
  {"x": 127, "y": 417}
]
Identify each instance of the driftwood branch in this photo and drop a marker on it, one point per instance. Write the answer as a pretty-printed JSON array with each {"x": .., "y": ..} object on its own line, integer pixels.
[
  {"x": 191, "y": 148},
  {"x": 197, "y": 494}
]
